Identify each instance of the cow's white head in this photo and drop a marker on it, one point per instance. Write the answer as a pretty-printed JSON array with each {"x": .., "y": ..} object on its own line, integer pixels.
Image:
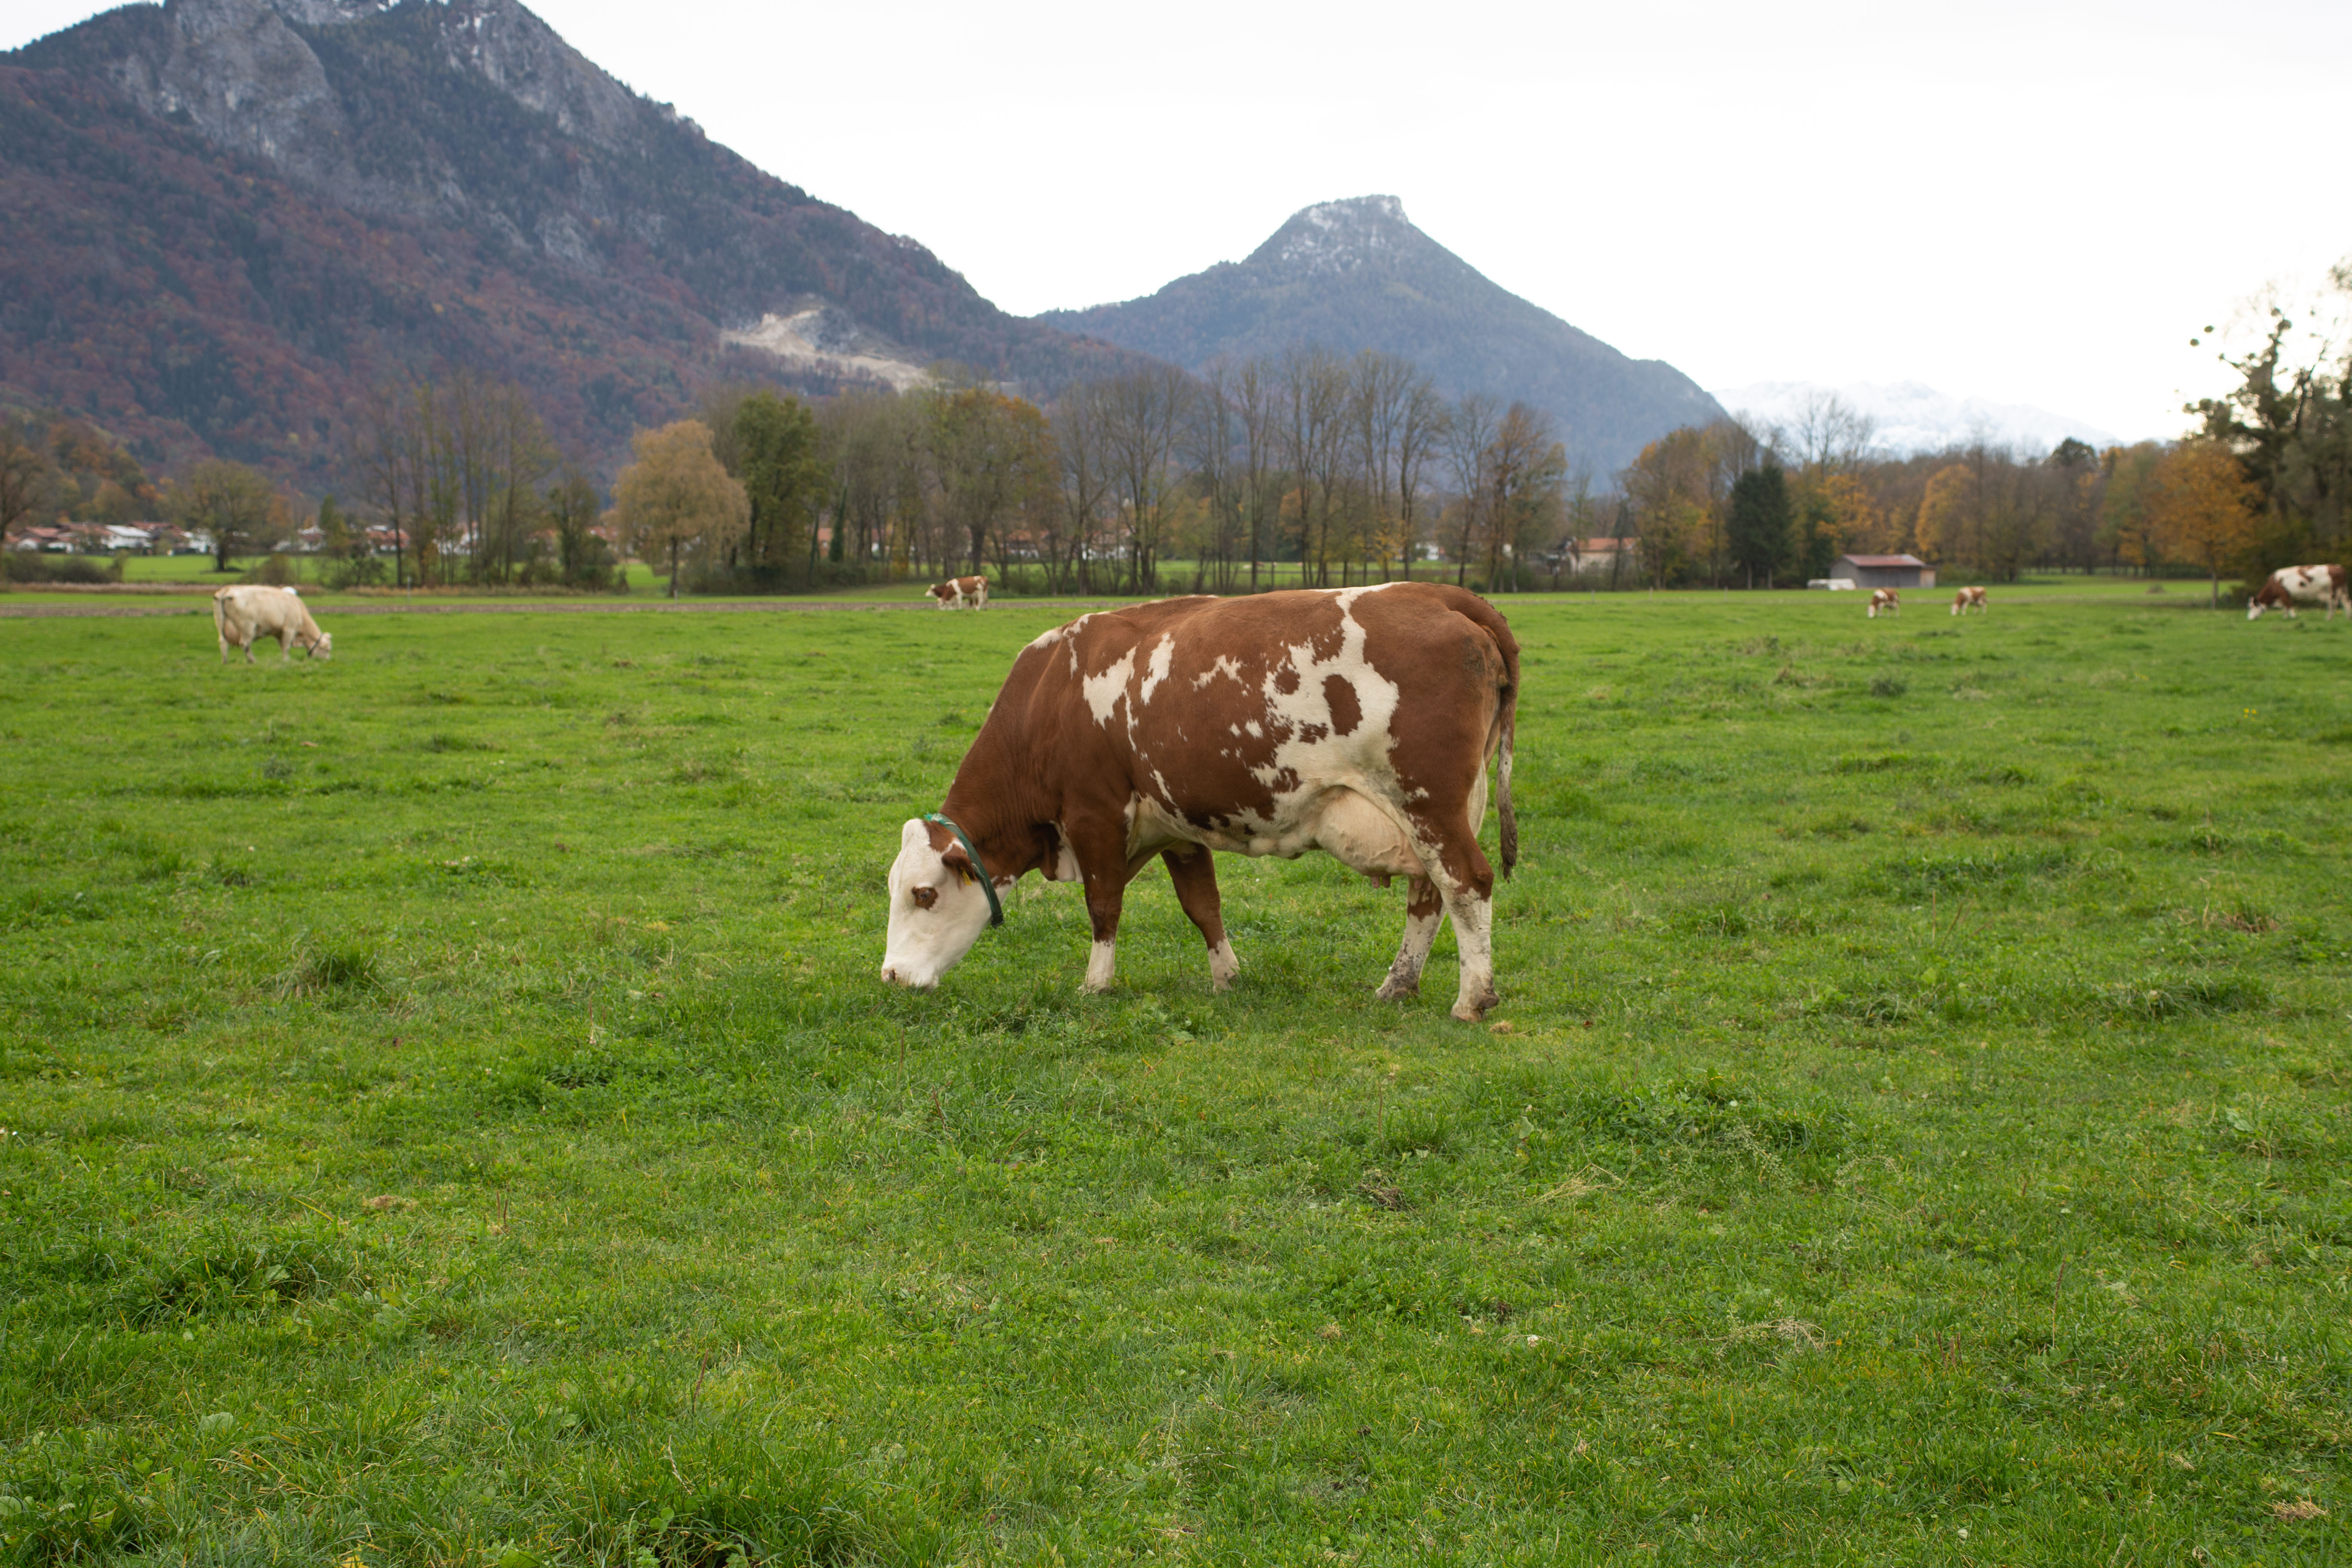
[
  {"x": 325, "y": 647},
  {"x": 938, "y": 908}
]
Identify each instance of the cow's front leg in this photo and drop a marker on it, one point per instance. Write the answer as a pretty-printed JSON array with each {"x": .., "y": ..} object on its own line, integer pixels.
[
  {"x": 285, "y": 647},
  {"x": 1100, "y": 849},
  {"x": 1423, "y": 911},
  {"x": 1193, "y": 870},
  {"x": 1105, "y": 895}
]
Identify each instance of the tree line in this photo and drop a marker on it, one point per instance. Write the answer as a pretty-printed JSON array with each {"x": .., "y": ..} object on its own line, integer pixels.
[
  {"x": 2262, "y": 480},
  {"x": 1304, "y": 467}
]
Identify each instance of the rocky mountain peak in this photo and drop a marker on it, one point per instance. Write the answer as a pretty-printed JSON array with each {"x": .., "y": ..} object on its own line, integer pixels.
[{"x": 1340, "y": 237}]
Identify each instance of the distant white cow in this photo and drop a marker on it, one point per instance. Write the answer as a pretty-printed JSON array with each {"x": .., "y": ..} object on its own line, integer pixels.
[
  {"x": 2290, "y": 585},
  {"x": 1969, "y": 599},
  {"x": 960, "y": 592},
  {"x": 251, "y": 611},
  {"x": 1885, "y": 599}
]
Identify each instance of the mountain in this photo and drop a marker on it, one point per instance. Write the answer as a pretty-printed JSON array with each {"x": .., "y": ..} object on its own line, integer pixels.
[
  {"x": 227, "y": 220},
  {"x": 1357, "y": 274},
  {"x": 1910, "y": 418}
]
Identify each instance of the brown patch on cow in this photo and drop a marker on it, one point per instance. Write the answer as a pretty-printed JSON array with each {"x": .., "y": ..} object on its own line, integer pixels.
[
  {"x": 1286, "y": 680},
  {"x": 1339, "y": 693}
]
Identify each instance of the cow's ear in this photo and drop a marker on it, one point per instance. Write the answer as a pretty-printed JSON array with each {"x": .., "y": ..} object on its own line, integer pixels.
[{"x": 957, "y": 861}]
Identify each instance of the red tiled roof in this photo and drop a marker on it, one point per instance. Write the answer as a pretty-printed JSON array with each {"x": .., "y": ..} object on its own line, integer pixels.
[{"x": 1883, "y": 559}]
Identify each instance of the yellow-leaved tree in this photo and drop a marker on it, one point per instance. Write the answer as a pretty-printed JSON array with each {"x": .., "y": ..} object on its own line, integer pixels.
[
  {"x": 1945, "y": 513},
  {"x": 676, "y": 499},
  {"x": 2201, "y": 509}
]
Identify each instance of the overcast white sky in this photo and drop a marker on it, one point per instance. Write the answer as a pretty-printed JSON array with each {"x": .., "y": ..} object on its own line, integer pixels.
[{"x": 2034, "y": 202}]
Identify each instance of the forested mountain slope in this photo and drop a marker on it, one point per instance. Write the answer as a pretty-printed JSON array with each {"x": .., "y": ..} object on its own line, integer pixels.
[
  {"x": 1358, "y": 274},
  {"x": 226, "y": 219}
]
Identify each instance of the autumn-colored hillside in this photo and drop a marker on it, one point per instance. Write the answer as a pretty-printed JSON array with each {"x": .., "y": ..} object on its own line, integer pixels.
[{"x": 228, "y": 220}]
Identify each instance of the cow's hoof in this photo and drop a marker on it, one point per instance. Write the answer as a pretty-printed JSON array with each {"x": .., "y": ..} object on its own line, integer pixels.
[
  {"x": 1471, "y": 1011},
  {"x": 1398, "y": 988}
]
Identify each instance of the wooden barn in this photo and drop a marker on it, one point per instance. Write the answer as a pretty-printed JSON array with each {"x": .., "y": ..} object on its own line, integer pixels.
[{"x": 1885, "y": 570}]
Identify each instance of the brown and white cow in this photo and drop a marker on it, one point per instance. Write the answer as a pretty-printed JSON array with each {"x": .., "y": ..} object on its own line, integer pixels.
[
  {"x": 1885, "y": 599},
  {"x": 248, "y": 612},
  {"x": 2290, "y": 585},
  {"x": 1968, "y": 599},
  {"x": 1361, "y": 721},
  {"x": 957, "y": 593}
]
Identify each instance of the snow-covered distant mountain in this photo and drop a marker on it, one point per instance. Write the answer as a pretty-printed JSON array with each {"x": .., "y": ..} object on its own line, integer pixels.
[{"x": 1910, "y": 418}]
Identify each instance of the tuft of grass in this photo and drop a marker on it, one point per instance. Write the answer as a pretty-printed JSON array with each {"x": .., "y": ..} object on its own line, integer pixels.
[{"x": 322, "y": 968}]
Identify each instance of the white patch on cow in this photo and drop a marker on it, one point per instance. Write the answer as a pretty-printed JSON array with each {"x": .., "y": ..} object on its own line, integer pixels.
[
  {"x": 1103, "y": 691},
  {"x": 1227, "y": 666},
  {"x": 1223, "y": 965},
  {"x": 1473, "y": 934},
  {"x": 927, "y": 938},
  {"x": 1163, "y": 654},
  {"x": 1256, "y": 730},
  {"x": 1102, "y": 965}
]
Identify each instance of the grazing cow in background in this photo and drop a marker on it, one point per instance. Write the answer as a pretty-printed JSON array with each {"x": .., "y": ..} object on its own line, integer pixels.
[
  {"x": 957, "y": 593},
  {"x": 1968, "y": 599},
  {"x": 2290, "y": 585},
  {"x": 1361, "y": 721},
  {"x": 1885, "y": 599},
  {"x": 250, "y": 611}
]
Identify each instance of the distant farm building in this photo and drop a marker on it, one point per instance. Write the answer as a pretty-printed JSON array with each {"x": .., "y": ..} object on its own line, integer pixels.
[
  {"x": 1594, "y": 557},
  {"x": 1885, "y": 570}
]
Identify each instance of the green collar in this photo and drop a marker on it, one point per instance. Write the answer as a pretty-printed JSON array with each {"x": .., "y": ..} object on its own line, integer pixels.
[{"x": 995, "y": 909}]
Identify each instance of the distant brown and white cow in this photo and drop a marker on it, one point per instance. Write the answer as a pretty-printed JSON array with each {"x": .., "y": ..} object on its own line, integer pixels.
[
  {"x": 1361, "y": 721},
  {"x": 250, "y": 611},
  {"x": 2290, "y": 585},
  {"x": 1968, "y": 599},
  {"x": 1885, "y": 599},
  {"x": 957, "y": 593}
]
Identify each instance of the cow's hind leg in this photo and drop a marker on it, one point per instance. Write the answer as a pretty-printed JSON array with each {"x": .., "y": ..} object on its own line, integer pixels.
[
  {"x": 1467, "y": 882},
  {"x": 1193, "y": 870},
  {"x": 1423, "y": 910},
  {"x": 1473, "y": 910}
]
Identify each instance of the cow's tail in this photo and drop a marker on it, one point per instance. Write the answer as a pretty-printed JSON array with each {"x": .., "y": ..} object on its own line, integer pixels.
[
  {"x": 220, "y": 616},
  {"x": 1507, "y": 720}
]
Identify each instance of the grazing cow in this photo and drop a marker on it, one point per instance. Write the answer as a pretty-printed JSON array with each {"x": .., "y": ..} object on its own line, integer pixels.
[
  {"x": 1885, "y": 599},
  {"x": 1968, "y": 599},
  {"x": 957, "y": 593},
  {"x": 1361, "y": 721},
  {"x": 250, "y": 611},
  {"x": 2290, "y": 585}
]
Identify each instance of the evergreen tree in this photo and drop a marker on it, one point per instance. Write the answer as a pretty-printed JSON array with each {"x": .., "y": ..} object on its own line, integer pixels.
[
  {"x": 1757, "y": 531},
  {"x": 786, "y": 479}
]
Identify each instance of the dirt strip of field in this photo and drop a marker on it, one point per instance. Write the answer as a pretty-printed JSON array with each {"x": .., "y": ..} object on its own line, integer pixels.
[{"x": 565, "y": 607}]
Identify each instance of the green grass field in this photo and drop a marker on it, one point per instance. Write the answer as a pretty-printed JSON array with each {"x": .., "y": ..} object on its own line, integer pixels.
[{"x": 451, "y": 1115}]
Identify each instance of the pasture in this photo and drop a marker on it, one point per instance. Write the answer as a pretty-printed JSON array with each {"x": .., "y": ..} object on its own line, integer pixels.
[{"x": 451, "y": 1115}]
